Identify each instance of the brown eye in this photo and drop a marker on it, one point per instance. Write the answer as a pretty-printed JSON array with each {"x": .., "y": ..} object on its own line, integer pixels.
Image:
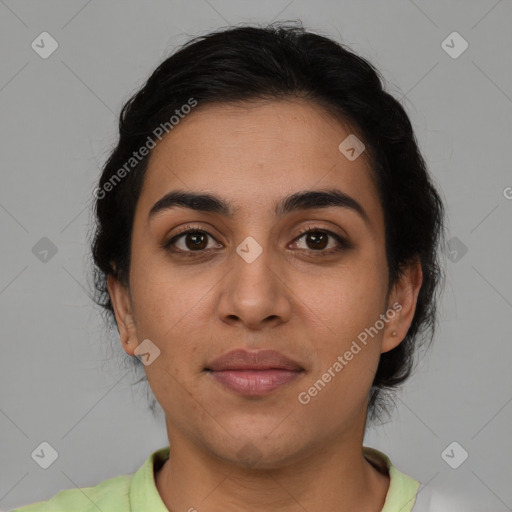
[
  {"x": 195, "y": 241},
  {"x": 192, "y": 240},
  {"x": 317, "y": 241}
]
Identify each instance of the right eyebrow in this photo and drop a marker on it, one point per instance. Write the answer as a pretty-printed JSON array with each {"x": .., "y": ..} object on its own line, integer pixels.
[{"x": 207, "y": 203}]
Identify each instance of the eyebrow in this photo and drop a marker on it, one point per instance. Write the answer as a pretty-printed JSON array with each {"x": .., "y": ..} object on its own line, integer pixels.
[{"x": 305, "y": 200}]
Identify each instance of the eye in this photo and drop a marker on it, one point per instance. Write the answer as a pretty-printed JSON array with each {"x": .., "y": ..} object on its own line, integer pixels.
[
  {"x": 317, "y": 240},
  {"x": 189, "y": 241}
]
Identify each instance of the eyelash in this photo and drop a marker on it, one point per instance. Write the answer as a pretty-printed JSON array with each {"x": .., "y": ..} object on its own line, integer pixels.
[{"x": 343, "y": 244}]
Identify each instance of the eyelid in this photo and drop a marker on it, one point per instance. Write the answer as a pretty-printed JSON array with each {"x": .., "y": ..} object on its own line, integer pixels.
[{"x": 320, "y": 228}]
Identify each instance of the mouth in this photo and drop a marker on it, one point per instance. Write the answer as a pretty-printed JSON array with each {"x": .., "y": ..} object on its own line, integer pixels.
[
  {"x": 253, "y": 373},
  {"x": 254, "y": 382}
]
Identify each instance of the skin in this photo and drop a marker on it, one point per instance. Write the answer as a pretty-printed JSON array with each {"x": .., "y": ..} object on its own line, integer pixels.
[{"x": 310, "y": 309}]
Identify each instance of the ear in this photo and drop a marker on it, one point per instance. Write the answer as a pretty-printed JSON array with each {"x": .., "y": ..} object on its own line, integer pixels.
[
  {"x": 402, "y": 301},
  {"x": 121, "y": 301}
]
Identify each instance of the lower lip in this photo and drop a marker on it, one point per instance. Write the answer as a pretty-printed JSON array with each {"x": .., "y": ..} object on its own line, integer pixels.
[{"x": 254, "y": 382}]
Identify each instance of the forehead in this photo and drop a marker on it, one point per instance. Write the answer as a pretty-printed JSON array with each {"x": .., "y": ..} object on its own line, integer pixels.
[{"x": 253, "y": 154}]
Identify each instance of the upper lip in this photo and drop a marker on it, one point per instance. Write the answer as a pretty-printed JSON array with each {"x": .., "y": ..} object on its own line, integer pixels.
[{"x": 242, "y": 359}]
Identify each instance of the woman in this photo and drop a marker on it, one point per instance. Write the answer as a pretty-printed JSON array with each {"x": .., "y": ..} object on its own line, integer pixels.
[{"x": 267, "y": 243}]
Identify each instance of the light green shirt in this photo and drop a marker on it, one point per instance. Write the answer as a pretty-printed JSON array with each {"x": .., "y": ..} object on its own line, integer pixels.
[{"x": 138, "y": 492}]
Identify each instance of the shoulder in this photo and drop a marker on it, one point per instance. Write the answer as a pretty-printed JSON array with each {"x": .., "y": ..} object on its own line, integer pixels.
[
  {"x": 111, "y": 494},
  {"x": 116, "y": 494}
]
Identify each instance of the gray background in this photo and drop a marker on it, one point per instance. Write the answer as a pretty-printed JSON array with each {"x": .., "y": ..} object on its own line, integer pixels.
[{"x": 58, "y": 122}]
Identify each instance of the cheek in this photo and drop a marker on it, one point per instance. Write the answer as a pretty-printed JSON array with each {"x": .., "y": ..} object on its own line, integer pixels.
[
  {"x": 166, "y": 303},
  {"x": 344, "y": 308},
  {"x": 346, "y": 299},
  {"x": 346, "y": 348}
]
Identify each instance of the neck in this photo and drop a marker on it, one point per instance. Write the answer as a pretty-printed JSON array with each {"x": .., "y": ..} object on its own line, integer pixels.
[{"x": 336, "y": 477}]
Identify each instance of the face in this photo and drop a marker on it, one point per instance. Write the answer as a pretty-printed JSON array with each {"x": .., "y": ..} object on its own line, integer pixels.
[{"x": 250, "y": 278}]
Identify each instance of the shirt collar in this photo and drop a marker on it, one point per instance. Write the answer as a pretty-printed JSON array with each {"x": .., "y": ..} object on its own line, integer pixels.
[
  {"x": 144, "y": 494},
  {"x": 402, "y": 490}
]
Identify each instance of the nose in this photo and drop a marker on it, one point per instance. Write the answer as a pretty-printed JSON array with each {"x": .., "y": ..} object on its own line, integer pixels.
[{"x": 255, "y": 293}]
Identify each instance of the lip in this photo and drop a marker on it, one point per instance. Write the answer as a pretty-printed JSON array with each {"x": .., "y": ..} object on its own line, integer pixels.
[
  {"x": 253, "y": 360},
  {"x": 253, "y": 373}
]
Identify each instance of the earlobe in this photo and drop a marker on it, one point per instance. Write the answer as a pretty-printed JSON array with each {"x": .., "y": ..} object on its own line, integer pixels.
[
  {"x": 403, "y": 302},
  {"x": 121, "y": 302},
  {"x": 130, "y": 342}
]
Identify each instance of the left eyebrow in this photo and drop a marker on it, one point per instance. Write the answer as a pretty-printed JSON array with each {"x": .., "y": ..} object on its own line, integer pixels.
[{"x": 306, "y": 200}]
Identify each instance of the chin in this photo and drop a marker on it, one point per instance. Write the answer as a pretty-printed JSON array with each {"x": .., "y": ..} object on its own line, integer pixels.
[{"x": 260, "y": 446}]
